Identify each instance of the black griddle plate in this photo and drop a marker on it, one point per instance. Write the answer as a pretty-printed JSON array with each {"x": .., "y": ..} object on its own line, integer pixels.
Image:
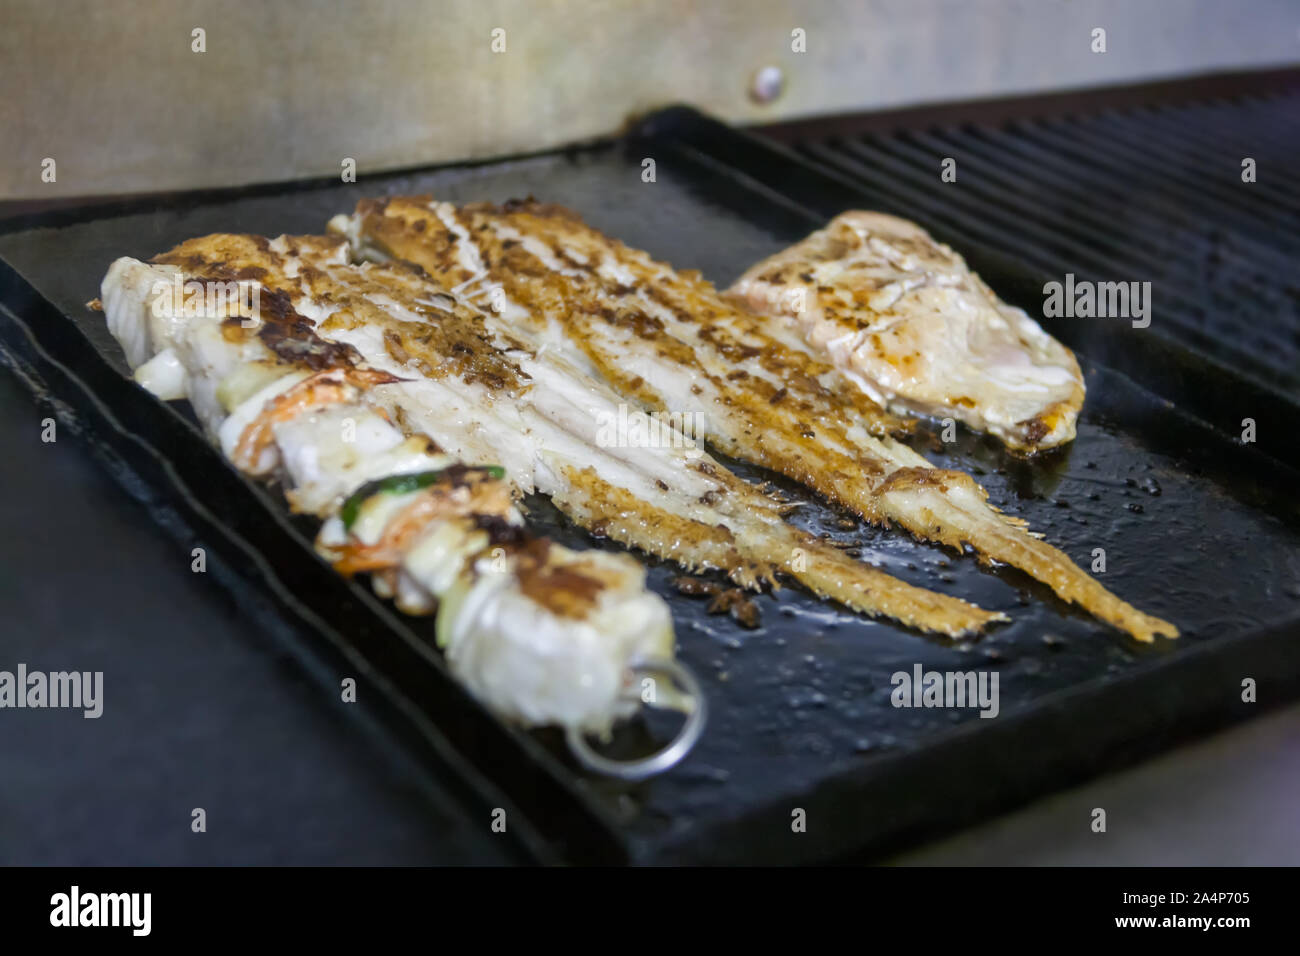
[{"x": 1197, "y": 528}]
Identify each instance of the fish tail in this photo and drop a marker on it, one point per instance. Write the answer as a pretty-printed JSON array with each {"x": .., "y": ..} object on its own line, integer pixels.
[{"x": 949, "y": 508}]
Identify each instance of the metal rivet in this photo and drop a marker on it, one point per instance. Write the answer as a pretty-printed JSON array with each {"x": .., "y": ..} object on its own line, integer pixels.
[{"x": 768, "y": 84}]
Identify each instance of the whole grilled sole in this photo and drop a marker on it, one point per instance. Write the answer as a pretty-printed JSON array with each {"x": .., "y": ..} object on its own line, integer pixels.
[{"x": 668, "y": 341}]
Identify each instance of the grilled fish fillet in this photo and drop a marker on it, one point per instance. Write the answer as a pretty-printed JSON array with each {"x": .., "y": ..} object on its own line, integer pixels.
[
  {"x": 540, "y": 633},
  {"x": 904, "y": 317},
  {"x": 669, "y": 341},
  {"x": 488, "y": 394}
]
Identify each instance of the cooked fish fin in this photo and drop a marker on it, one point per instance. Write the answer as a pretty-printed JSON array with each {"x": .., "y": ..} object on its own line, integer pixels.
[
  {"x": 825, "y": 571},
  {"x": 948, "y": 507}
]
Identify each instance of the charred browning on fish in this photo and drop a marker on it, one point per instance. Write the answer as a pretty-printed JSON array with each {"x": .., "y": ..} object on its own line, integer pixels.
[
  {"x": 293, "y": 338},
  {"x": 441, "y": 335}
]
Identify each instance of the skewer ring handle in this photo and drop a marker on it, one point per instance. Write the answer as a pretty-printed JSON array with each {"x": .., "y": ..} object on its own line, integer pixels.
[{"x": 668, "y": 756}]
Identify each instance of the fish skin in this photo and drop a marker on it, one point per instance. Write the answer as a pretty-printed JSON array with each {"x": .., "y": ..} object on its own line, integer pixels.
[
  {"x": 488, "y": 392},
  {"x": 904, "y": 317},
  {"x": 667, "y": 340}
]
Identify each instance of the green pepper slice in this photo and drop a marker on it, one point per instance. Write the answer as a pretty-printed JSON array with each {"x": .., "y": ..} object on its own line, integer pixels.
[{"x": 400, "y": 485}]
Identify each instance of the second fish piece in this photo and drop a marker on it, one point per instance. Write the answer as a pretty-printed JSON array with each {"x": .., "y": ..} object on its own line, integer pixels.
[{"x": 905, "y": 318}]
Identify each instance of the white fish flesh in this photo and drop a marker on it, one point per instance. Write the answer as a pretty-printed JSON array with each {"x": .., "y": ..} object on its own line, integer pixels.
[{"x": 905, "y": 318}]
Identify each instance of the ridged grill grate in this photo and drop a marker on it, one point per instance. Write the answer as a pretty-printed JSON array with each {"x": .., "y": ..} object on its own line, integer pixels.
[{"x": 1152, "y": 194}]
